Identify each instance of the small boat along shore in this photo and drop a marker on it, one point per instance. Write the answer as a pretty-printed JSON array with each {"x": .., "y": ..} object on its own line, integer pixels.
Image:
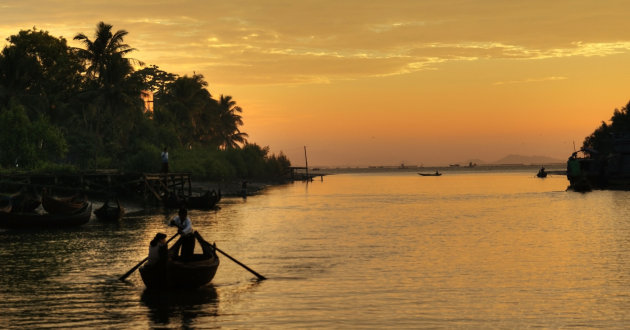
[
  {"x": 36, "y": 220},
  {"x": 108, "y": 212}
]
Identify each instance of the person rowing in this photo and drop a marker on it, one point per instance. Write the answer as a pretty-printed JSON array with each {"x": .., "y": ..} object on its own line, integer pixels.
[{"x": 185, "y": 229}]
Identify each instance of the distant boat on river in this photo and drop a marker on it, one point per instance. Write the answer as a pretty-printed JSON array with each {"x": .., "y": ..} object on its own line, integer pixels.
[{"x": 431, "y": 174}]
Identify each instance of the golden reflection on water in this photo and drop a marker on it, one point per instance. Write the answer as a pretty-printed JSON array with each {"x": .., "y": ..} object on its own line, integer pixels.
[
  {"x": 505, "y": 249},
  {"x": 396, "y": 250}
]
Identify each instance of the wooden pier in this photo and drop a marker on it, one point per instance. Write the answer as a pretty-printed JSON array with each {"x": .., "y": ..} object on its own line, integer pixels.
[
  {"x": 150, "y": 187},
  {"x": 302, "y": 174}
]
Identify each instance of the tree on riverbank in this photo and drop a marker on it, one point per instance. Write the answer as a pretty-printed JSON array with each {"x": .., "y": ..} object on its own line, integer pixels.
[
  {"x": 82, "y": 108},
  {"x": 603, "y": 137}
]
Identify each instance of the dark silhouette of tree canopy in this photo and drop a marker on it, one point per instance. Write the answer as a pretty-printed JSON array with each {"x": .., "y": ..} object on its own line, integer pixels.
[
  {"x": 187, "y": 105},
  {"x": 104, "y": 53},
  {"x": 602, "y": 138},
  {"x": 41, "y": 73},
  {"x": 154, "y": 79},
  {"x": 83, "y": 107},
  {"x": 228, "y": 133}
]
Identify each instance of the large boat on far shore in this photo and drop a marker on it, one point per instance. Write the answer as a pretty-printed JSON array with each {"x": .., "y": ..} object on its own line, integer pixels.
[{"x": 590, "y": 169}]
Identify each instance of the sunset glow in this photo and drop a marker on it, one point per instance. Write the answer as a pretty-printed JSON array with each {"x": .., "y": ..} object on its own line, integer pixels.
[{"x": 381, "y": 82}]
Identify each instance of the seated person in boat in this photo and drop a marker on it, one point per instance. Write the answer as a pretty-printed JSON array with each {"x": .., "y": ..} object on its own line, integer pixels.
[
  {"x": 158, "y": 252},
  {"x": 184, "y": 228}
]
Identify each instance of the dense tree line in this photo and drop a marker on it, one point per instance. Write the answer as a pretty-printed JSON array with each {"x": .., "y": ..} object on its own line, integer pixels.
[
  {"x": 603, "y": 138},
  {"x": 81, "y": 108}
]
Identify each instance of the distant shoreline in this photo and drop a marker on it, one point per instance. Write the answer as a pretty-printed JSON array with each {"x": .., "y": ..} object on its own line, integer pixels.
[{"x": 485, "y": 167}]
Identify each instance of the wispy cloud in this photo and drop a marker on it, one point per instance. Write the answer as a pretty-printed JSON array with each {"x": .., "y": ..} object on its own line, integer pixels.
[
  {"x": 328, "y": 40},
  {"x": 530, "y": 80}
]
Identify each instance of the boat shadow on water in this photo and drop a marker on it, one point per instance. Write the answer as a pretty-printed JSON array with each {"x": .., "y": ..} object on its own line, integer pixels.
[{"x": 180, "y": 306}]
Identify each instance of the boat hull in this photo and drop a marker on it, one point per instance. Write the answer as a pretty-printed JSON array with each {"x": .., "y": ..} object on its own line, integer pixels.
[
  {"x": 63, "y": 206},
  {"x": 34, "y": 220},
  {"x": 109, "y": 213},
  {"x": 180, "y": 275},
  {"x": 176, "y": 273},
  {"x": 204, "y": 202}
]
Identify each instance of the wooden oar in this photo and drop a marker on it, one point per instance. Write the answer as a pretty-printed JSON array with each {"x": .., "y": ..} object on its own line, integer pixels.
[
  {"x": 260, "y": 277},
  {"x": 122, "y": 278}
]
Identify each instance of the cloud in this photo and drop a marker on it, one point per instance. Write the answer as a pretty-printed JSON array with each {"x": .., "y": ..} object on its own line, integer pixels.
[
  {"x": 271, "y": 42},
  {"x": 530, "y": 80}
]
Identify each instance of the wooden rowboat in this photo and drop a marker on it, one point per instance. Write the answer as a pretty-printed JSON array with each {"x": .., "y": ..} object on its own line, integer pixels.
[
  {"x": 183, "y": 274},
  {"x": 25, "y": 201},
  {"x": 5, "y": 204},
  {"x": 204, "y": 202},
  {"x": 63, "y": 205},
  {"x": 32, "y": 219},
  {"x": 430, "y": 174},
  {"x": 110, "y": 213}
]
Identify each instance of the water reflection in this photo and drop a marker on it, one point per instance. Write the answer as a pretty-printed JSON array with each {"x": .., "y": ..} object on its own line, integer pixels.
[
  {"x": 476, "y": 250},
  {"x": 181, "y": 307}
]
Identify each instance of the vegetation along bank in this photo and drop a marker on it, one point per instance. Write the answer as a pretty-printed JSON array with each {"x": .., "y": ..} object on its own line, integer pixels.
[{"x": 93, "y": 107}]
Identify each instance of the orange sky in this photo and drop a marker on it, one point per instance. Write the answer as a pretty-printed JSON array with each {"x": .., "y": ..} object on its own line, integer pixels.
[{"x": 363, "y": 83}]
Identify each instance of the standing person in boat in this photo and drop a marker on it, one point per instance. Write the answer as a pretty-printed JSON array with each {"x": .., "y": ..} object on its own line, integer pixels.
[
  {"x": 184, "y": 228},
  {"x": 164, "y": 156},
  {"x": 158, "y": 251}
]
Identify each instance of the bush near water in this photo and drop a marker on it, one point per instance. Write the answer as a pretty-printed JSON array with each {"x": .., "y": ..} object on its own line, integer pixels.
[{"x": 69, "y": 109}]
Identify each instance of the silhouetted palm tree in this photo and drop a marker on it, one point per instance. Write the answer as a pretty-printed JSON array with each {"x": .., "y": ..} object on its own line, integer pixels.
[
  {"x": 228, "y": 133},
  {"x": 113, "y": 100},
  {"x": 188, "y": 106},
  {"x": 105, "y": 51}
]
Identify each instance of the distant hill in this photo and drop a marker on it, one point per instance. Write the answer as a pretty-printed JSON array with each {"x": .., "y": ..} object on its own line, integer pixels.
[{"x": 528, "y": 160}]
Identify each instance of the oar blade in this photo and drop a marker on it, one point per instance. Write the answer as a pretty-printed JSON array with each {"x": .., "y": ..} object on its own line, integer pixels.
[{"x": 260, "y": 277}]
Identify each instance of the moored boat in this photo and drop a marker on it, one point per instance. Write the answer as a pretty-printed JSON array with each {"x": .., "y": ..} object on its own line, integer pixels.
[
  {"x": 183, "y": 274},
  {"x": 22, "y": 201},
  {"x": 5, "y": 204},
  {"x": 25, "y": 201},
  {"x": 110, "y": 213},
  {"x": 171, "y": 201},
  {"x": 63, "y": 205},
  {"x": 204, "y": 202},
  {"x": 32, "y": 219},
  {"x": 589, "y": 169}
]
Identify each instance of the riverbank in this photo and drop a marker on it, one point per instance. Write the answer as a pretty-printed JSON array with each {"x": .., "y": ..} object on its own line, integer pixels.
[{"x": 233, "y": 188}]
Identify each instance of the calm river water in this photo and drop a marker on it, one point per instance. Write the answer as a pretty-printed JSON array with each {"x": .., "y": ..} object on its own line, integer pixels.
[{"x": 499, "y": 249}]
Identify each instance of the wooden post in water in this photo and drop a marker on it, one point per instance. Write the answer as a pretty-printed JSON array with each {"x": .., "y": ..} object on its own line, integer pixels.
[{"x": 306, "y": 161}]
